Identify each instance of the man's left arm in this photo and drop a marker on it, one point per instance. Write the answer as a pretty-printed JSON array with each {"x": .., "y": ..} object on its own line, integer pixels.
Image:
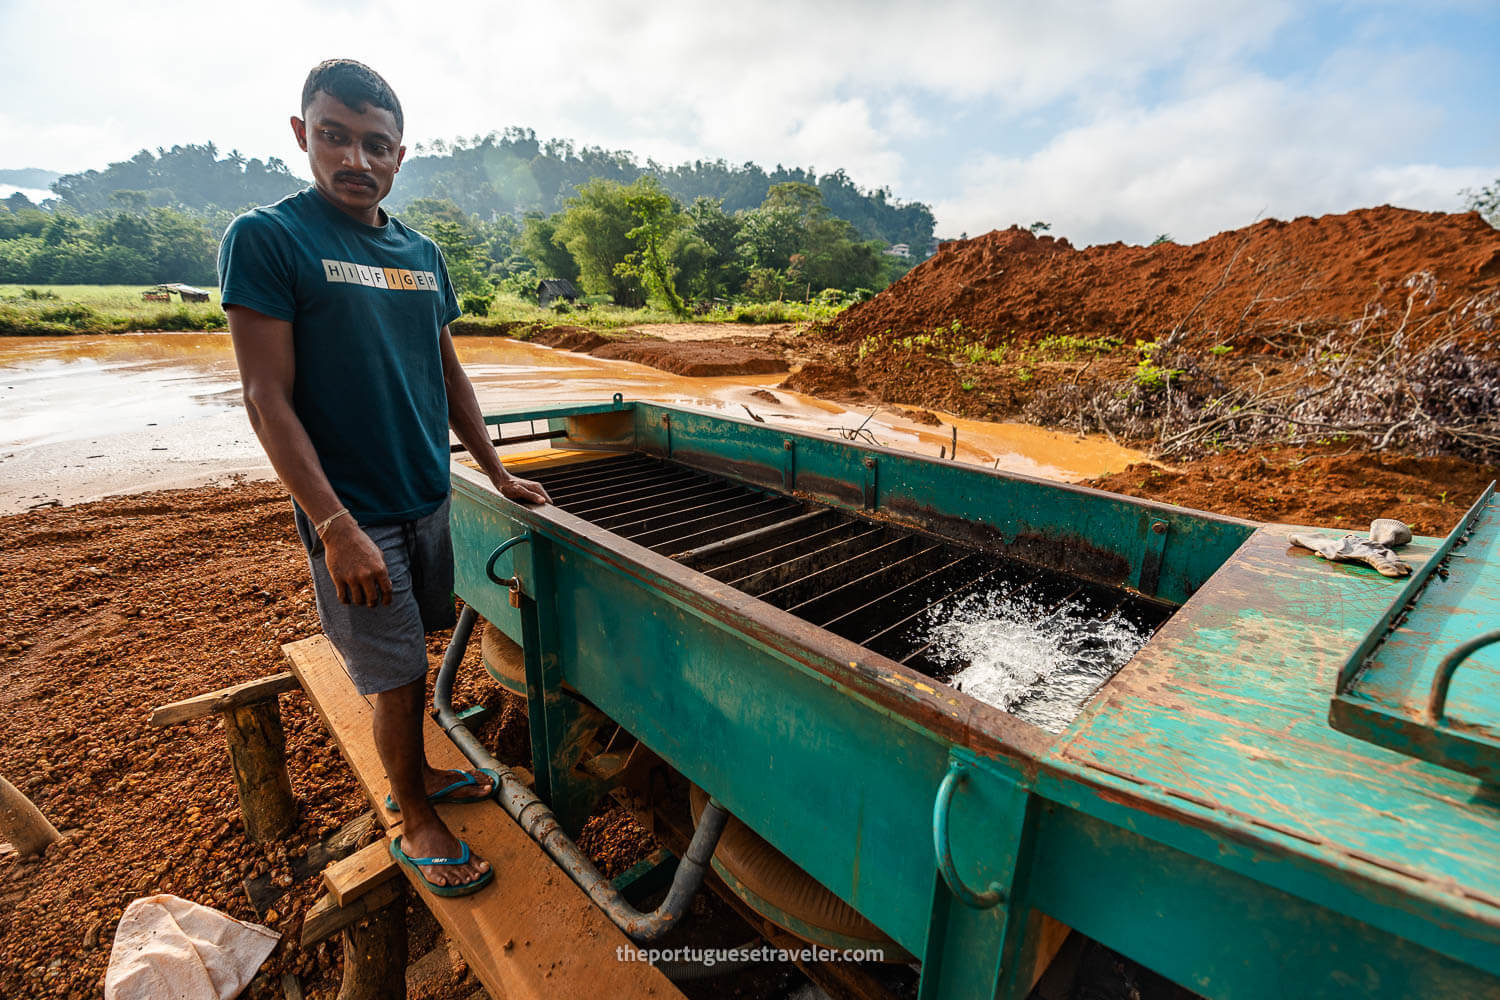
[{"x": 467, "y": 421}]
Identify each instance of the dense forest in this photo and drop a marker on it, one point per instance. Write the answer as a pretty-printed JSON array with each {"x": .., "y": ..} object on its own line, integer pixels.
[{"x": 507, "y": 209}]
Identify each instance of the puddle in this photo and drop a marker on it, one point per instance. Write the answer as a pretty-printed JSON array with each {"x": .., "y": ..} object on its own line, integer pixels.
[{"x": 83, "y": 417}]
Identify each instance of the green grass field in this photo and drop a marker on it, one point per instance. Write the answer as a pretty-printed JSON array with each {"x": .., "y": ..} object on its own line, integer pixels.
[
  {"x": 56, "y": 310},
  {"x": 603, "y": 316},
  {"x": 53, "y": 310}
]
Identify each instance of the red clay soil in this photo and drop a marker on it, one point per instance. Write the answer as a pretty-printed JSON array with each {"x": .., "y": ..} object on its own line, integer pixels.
[
  {"x": 695, "y": 358},
  {"x": 571, "y": 338},
  {"x": 110, "y": 609},
  {"x": 1325, "y": 489},
  {"x": 1013, "y": 287}
]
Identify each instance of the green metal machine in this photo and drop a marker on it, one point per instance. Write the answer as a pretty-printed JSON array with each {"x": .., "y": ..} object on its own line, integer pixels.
[{"x": 1202, "y": 815}]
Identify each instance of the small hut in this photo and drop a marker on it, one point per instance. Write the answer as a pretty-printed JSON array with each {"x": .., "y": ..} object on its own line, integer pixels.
[{"x": 549, "y": 290}]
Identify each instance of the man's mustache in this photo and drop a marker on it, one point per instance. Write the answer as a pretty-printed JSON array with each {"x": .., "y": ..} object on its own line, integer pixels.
[{"x": 356, "y": 178}]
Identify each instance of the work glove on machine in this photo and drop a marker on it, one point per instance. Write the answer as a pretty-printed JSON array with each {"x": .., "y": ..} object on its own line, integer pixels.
[{"x": 1376, "y": 551}]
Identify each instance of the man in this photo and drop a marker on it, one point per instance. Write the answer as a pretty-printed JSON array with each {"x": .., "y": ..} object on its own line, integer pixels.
[{"x": 339, "y": 316}]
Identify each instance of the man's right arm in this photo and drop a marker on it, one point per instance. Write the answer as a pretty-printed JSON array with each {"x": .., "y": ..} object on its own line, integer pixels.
[{"x": 263, "y": 348}]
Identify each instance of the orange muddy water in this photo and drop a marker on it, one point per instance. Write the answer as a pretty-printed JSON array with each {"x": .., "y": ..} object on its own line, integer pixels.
[{"x": 86, "y": 417}]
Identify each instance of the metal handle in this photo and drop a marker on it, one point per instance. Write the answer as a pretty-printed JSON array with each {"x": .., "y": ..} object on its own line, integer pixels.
[
  {"x": 1444, "y": 676},
  {"x": 956, "y": 775},
  {"x": 505, "y": 546}
]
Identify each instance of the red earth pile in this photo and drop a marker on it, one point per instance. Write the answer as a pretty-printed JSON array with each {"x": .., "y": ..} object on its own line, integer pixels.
[{"x": 1238, "y": 288}]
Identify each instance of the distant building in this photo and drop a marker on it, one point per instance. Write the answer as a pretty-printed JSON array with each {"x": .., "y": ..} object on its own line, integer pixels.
[
  {"x": 901, "y": 250},
  {"x": 549, "y": 290}
]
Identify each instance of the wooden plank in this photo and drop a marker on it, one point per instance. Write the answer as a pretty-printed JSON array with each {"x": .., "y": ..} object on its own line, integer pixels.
[
  {"x": 238, "y": 696},
  {"x": 533, "y": 933},
  {"x": 346, "y": 714},
  {"x": 546, "y": 458},
  {"x": 360, "y": 872},
  {"x": 326, "y": 917},
  {"x": 526, "y": 462}
]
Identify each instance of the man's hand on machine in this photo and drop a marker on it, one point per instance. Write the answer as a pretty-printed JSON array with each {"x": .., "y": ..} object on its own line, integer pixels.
[
  {"x": 519, "y": 490},
  {"x": 356, "y": 564}
]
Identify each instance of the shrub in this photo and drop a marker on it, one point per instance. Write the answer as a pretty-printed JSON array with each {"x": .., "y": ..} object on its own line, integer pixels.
[
  {"x": 476, "y": 304},
  {"x": 73, "y": 314}
]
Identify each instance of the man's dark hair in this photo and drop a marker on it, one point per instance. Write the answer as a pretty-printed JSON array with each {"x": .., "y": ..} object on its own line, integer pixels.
[{"x": 354, "y": 84}]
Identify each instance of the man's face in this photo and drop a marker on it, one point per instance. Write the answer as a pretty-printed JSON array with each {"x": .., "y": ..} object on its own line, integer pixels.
[{"x": 354, "y": 154}]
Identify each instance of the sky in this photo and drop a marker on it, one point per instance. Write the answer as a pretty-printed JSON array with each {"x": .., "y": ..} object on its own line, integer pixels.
[{"x": 1107, "y": 119}]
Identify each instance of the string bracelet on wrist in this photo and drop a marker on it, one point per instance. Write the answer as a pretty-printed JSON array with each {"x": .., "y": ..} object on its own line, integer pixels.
[{"x": 322, "y": 526}]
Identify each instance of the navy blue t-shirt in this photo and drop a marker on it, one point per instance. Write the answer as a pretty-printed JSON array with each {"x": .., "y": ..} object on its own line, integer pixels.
[{"x": 367, "y": 305}]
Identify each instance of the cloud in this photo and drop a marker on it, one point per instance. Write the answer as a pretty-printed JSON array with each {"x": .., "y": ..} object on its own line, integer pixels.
[
  {"x": 775, "y": 81},
  {"x": 1112, "y": 119},
  {"x": 1210, "y": 162}
]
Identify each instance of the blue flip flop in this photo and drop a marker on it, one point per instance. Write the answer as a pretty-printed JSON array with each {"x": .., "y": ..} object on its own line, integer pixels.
[
  {"x": 446, "y": 794},
  {"x": 462, "y": 889}
]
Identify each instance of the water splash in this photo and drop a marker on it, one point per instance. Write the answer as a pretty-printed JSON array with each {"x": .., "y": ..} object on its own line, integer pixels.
[{"x": 1038, "y": 662}]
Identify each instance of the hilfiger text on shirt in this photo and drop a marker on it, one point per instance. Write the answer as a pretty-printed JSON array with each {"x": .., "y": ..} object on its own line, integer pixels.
[{"x": 394, "y": 279}]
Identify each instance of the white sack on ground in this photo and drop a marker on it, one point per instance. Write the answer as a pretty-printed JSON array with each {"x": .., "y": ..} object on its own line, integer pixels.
[{"x": 167, "y": 948}]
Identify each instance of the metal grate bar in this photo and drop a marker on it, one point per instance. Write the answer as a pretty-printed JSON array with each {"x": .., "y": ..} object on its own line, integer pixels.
[
  {"x": 622, "y": 473},
  {"x": 809, "y": 540},
  {"x": 716, "y": 553},
  {"x": 592, "y": 470},
  {"x": 705, "y": 505},
  {"x": 689, "y": 525},
  {"x": 792, "y": 569},
  {"x": 627, "y": 501},
  {"x": 883, "y": 579},
  {"x": 873, "y": 617},
  {"x": 725, "y": 530},
  {"x": 631, "y": 481},
  {"x": 892, "y": 641},
  {"x": 837, "y": 574},
  {"x": 660, "y": 504}
]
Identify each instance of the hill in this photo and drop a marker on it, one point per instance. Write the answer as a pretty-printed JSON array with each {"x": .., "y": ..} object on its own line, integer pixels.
[{"x": 501, "y": 174}]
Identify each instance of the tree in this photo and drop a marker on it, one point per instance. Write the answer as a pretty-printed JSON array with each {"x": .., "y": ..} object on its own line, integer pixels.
[
  {"x": 538, "y": 241},
  {"x": 595, "y": 227},
  {"x": 658, "y": 219},
  {"x": 706, "y": 253}
]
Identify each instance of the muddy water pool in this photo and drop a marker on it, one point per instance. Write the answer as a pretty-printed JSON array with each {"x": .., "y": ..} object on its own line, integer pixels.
[{"x": 85, "y": 417}]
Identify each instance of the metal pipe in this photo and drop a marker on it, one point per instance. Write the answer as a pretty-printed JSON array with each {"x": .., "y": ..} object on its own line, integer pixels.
[{"x": 541, "y": 824}]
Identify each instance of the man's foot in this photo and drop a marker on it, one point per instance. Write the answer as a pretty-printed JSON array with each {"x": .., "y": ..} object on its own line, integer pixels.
[
  {"x": 436, "y": 781},
  {"x": 435, "y": 841},
  {"x": 452, "y": 786}
]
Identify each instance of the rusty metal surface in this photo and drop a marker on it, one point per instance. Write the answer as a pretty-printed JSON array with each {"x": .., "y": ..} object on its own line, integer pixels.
[
  {"x": 1223, "y": 718},
  {"x": 1389, "y": 694}
]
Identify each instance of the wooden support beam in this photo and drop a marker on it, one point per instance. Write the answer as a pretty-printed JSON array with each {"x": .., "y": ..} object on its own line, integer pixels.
[
  {"x": 223, "y": 701},
  {"x": 257, "y": 751},
  {"x": 360, "y": 872},
  {"x": 375, "y": 956},
  {"x": 257, "y": 748},
  {"x": 326, "y": 917}
]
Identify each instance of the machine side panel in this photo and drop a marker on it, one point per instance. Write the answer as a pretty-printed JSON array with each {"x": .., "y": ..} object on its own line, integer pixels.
[{"x": 1222, "y": 933}]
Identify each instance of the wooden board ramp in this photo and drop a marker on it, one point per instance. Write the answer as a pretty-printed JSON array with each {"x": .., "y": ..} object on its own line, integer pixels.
[{"x": 532, "y": 932}]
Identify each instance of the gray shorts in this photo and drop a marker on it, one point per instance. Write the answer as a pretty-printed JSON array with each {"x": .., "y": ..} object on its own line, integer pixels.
[{"x": 385, "y": 647}]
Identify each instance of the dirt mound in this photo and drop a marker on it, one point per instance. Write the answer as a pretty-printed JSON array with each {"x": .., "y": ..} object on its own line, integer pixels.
[
  {"x": 1237, "y": 288},
  {"x": 818, "y": 379},
  {"x": 694, "y": 358},
  {"x": 570, "y": 338},
  {"x": 1326, "y": 489}
]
